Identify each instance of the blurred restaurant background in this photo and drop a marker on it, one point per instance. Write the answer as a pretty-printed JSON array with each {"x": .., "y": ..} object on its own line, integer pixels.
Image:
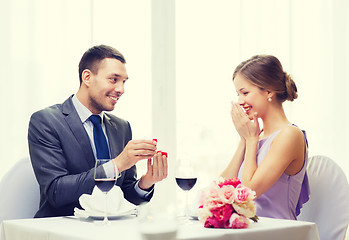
[{"x": 180, "y": 58}]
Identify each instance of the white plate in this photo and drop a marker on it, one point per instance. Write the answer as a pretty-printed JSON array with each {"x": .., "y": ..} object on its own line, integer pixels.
[
  {"x": 117, "y": 216},
  {"x": 96, "y": 216}
]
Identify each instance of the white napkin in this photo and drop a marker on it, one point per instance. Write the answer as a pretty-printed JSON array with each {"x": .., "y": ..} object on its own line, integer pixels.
[{"x": 94, "y": 204}]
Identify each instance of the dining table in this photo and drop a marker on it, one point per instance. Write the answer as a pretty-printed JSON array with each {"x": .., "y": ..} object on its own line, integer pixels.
[{"x": 127, "y": 227}]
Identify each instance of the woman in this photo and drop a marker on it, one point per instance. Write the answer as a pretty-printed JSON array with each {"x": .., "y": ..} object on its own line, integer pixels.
[{"x": 271, "y": 161}]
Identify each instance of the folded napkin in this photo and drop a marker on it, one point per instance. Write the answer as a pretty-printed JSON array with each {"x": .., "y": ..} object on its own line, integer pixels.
[{"x": 94, "y": 204}]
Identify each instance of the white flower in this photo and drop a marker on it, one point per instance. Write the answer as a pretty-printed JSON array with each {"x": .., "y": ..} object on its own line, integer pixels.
[
  {"x": 247, "y": 209},
  {"x": 203, "y": 214},
  {"x": 237, "y": 221}
]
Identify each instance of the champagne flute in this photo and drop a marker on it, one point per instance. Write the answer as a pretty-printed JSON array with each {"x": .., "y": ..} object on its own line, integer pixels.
[
  {"x": 185, "y": 179},
  {"x": 104, "y": 183}
]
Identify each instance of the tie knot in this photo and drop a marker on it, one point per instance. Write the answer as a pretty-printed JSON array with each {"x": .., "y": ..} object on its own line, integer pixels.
[{"x": 95, "y": 119}]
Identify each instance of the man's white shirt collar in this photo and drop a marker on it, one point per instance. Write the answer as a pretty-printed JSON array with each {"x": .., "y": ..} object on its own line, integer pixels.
[{"x": 83, "y": 112}]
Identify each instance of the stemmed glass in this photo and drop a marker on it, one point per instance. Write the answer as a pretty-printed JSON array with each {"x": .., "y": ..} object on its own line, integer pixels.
[
  {"x": 104, "y": 183},
  {"x": 185, "y": 179}
]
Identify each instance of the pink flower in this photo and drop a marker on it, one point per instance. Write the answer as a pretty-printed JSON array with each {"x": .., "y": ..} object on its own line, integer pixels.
[
  {"x": 227, "y": 194},
  {"x": 244, "y": 194},
  {"x": 238, "y": 221},
  {"x": 213, "y": 199},
  {"x": 226, "y": 204},
  {"x": 214, "y": 204},
  {"x": 212, "y": 222},
  {"x": 223, "y": 213},
  {"x": 233, "y": 182},
  {"x": 220, "y": 217}
]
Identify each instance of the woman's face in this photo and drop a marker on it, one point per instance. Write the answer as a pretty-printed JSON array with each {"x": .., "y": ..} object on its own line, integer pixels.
[{"x": 250, "y": 97}]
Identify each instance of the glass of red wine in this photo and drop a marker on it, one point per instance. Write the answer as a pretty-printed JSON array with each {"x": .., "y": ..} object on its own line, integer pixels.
[
  {"x": 104, "y": 182},
  {"x": 185, "y": 179}
]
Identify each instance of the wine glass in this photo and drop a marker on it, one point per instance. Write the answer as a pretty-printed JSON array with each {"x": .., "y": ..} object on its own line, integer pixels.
[
  {"x": 185, "y": 179},
  {"x": 104, "y": 183}
]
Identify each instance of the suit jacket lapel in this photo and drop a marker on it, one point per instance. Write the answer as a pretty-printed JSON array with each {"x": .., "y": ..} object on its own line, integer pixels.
[{"x": 78, "y": 131}]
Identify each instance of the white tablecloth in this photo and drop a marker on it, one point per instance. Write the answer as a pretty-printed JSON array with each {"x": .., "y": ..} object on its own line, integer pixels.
[{"x": 127, "y": 228}]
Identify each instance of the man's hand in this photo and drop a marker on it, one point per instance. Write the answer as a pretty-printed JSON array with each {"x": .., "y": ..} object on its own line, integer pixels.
[
  {"x": 157, "y": 171},
  {"x": 134, "y": 151}
]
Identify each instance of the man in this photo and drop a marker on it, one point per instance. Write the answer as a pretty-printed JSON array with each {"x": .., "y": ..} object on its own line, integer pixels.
[{"x": 63, "y": 145}]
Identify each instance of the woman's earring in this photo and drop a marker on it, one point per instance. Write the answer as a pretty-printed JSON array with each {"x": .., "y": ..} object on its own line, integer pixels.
[{"x": 269, "y": 99}]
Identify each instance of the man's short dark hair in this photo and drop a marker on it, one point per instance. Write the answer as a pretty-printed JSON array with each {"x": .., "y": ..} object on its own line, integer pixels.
[{"x": 93, "y": 56}]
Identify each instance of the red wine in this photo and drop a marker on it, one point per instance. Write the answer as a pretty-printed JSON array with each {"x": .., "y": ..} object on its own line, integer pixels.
[
  {"x": 105, "y": 184},
  {"x": 186, "y": 183}
]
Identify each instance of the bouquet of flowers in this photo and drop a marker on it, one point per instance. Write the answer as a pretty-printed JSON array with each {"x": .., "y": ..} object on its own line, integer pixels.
[{"x": 226, "y": 203}]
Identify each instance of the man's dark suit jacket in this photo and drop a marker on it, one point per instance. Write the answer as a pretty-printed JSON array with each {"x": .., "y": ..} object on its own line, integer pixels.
[{"x": 63, "y": 159}]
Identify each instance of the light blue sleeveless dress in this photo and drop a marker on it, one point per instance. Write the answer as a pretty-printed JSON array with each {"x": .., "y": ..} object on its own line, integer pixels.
[{"x": 286, "y": 197}]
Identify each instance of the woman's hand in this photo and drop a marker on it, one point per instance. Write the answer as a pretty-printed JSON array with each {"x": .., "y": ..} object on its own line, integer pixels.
[{"x": 247, "y": 129}]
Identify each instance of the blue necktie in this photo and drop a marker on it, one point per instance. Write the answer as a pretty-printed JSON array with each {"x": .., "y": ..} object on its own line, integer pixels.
[{"x": 99, "y": 138}]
